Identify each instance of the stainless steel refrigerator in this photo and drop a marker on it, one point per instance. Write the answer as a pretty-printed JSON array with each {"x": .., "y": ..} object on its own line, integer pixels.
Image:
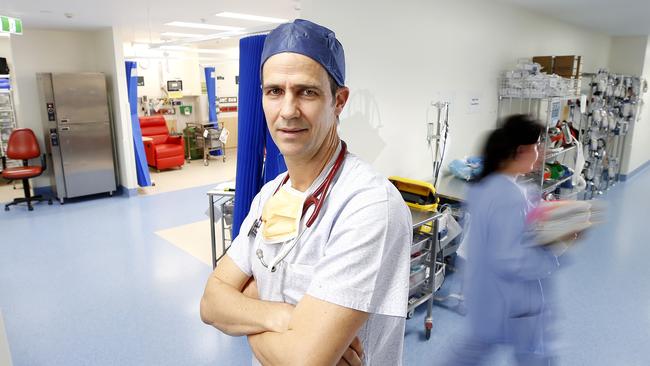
[{"x": 78, "y": 134}]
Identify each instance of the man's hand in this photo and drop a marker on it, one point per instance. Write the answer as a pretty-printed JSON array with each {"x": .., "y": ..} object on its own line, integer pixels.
[
  {"x": 353, "y": 355},
  {"x": 277, "y": 320}
]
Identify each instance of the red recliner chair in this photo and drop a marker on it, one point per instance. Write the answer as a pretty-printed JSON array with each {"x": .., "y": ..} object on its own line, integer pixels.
[
  {"x": 23, "y": 145},
  {"x": 163, "y": 151}
]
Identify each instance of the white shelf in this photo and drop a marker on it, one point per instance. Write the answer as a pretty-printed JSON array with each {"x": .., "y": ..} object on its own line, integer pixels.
[
  {"x": 556, "y": 153},
  {"x": 550, "y": 187}
]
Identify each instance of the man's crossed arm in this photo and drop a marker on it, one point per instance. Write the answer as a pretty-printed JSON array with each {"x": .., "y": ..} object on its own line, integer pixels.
[{"x": 316, "y": 332}]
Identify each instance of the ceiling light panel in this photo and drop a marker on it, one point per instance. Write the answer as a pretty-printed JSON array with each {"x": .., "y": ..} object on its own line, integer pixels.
[
  {"x": 181, "y": 35},
  {"x": 256, "y": 18},
  {"x": 204, "y": 26}
]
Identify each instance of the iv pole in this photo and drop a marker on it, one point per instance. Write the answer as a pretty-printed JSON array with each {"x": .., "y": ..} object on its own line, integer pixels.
[{"x": 437, "y": 133}]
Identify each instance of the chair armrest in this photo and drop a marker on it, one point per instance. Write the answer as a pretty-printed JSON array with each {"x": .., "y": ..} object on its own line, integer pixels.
[
  {"x": 44, "y": 161},
  {"x": 175, "y": 140},
  {"x": 4, "y": 162}
]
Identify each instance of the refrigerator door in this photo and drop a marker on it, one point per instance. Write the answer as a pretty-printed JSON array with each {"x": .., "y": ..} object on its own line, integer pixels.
[
  {"x": 80, "y": 98},
  {"x": 87, "y": 158},
  {"x": 50, "y": 134}
]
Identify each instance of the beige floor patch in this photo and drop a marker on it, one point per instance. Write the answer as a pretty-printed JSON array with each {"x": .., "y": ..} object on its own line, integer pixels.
[
  {"x": 194, "y": 238},
  {"x": 5, "y": 355}
]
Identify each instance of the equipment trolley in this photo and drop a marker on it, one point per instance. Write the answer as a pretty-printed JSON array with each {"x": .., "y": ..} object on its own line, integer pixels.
[
  {"x": 427, "y": 265},
  {"x": 202, "y": 140}
]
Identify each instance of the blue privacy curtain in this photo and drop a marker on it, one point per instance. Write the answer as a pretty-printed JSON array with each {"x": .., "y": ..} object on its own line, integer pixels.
[
  {"x": 141, "y": 167},
  {"x": 253, "y": 136},
  {"x": 274, "y": 163},
  {"x": 211, "y": 87}
]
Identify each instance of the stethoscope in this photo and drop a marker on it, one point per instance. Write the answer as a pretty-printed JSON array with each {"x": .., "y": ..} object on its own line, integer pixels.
[{"x": 316, "y": 199}]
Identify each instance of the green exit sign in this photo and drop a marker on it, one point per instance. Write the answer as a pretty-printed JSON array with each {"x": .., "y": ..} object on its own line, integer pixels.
[{"x": 11, "y": 25}]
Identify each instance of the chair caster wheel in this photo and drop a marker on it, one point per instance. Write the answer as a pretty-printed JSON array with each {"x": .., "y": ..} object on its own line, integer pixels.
[
  {"x": 30, "y": 208},
  {"x": 49, "y": 202},
  {"x": 6, "y": 208}
]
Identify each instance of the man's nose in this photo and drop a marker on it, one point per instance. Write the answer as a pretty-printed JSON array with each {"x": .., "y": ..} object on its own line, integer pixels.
[{"x": 290, "y": 108}]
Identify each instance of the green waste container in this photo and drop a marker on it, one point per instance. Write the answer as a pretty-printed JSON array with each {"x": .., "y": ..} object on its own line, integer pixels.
[{"x": 193, "y": 146}]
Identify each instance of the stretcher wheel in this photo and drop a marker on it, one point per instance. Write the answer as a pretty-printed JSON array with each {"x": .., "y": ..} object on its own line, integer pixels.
[
  {"x": 205, "y": 162},
  {"x": 427, "y": 334},
  {"x": 409, "y": 315}
]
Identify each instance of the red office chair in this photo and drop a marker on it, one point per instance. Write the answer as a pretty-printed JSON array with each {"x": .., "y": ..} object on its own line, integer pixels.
[{"x": 23, "y": 146}]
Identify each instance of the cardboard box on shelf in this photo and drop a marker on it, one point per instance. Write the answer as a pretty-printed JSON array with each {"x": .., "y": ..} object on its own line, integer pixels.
[
  {"x": 546, "y": 62},
  {"x": 567, "y": 66}
]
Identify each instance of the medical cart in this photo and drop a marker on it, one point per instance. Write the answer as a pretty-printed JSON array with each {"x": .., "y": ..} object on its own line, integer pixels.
[
  {"x": 427, "y": 264},
  {"x": 205, "y": 137},
  {"x": 223, "y": 197}
]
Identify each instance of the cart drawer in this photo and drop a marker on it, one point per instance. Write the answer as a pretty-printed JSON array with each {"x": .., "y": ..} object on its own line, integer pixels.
[
  {"x": 419, "y": 243},
  {"x": 418, "y": 274},
  {"x": 418, "y": 258}
]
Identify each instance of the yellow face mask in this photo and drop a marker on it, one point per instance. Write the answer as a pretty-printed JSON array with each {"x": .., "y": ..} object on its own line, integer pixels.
[{"x": 281, "y": 215}]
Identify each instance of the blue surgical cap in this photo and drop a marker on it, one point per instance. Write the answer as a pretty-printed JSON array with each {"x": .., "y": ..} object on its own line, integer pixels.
[{"x": 309, "y": 39}]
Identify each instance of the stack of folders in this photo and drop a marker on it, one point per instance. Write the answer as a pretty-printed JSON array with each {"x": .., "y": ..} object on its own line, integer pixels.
[{"x": 554, "y": 221}]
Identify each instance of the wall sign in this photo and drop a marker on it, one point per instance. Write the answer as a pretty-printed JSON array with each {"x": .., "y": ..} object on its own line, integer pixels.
[
  {"x": 11, "y": 25},
  {"x": 227, "y": 99}
]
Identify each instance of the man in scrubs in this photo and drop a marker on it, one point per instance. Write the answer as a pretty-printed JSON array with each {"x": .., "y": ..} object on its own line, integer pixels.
[{"x": 339, "y": 297}]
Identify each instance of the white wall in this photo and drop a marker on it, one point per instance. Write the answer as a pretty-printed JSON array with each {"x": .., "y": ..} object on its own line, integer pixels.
[
  {"x": 229, "y": 70},
  {"x": 401, "y": 57},
  {"x": 5, "y": 48},
  {"x": 41, "y": 50},
  {"x": 111, "y": 62},
  {"x": 157, "y": 72},
  {"x": 5, "y": 51},
  {"x": 627, "y": 55},
  {"x": 227, "y": 87},
  {"x": 638, "y": 140}
]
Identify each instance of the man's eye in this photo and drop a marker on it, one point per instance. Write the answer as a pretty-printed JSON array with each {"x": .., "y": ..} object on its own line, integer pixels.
[
  {"x": 310, "y": 93},
  {"x": 274, "y": 91}
]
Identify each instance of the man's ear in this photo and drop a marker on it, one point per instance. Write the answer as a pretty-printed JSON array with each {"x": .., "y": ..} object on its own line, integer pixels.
[{"x": 342, "y": 95}]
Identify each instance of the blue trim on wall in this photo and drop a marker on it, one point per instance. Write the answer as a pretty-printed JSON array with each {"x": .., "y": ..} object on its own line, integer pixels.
[
  {"x": 44, "y": 191},
  {"x": 123, "y": 191},
  {"x": 120, "y": 191},
  {"x": 625, "y": 177}
]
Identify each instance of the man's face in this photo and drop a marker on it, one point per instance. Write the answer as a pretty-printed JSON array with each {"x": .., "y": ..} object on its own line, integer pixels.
[{"x": 298, "y": 104}]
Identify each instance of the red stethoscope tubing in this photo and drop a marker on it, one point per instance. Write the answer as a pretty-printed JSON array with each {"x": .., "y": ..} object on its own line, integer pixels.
[{"x": 322, "y": 190}]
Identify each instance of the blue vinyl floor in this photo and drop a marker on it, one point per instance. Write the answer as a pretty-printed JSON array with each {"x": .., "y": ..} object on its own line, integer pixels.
[{"x": 89, "y": 283}]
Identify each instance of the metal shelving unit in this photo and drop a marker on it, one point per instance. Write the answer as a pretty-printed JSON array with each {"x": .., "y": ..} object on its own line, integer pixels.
[
  {"x": 7, "y": 118},
  {"x": 548, "y": 110},
  {"x": 613, "y": 107}
]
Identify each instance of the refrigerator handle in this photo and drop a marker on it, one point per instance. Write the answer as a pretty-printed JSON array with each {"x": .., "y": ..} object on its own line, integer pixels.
[
  {"x": 65, "y": 120},
  {"x": 65, "y": 128}
]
